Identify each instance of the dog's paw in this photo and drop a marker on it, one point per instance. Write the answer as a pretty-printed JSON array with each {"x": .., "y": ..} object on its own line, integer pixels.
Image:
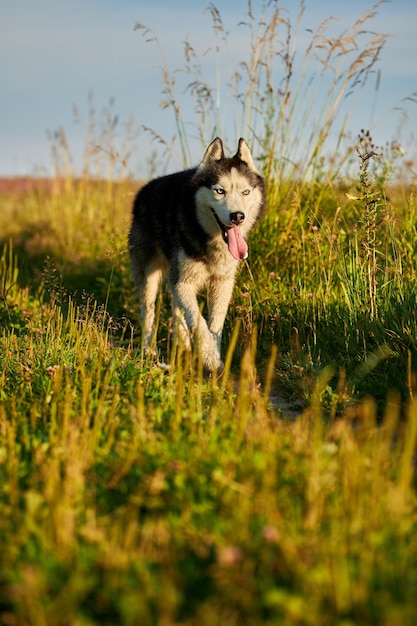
[
  {"x": 151, "y": 353},
  {"x": 212, "y": 364}
]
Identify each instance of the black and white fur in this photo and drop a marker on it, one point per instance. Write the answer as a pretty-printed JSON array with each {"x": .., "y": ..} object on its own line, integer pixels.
[{"x": 182, "y": 227}]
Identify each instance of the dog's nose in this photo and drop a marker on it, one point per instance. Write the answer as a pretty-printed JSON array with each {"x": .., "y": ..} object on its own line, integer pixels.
[{"x": 237, "y": 217}]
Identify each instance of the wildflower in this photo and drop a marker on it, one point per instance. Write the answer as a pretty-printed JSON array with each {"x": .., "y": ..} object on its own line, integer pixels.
[
  {"x": 229, "y": 555},
  {"x": 51, "y": 370},
  {"x": 271, "y": 534}
]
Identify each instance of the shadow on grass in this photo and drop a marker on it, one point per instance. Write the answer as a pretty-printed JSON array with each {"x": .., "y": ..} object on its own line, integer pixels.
[{"x": 103, "y": 279}]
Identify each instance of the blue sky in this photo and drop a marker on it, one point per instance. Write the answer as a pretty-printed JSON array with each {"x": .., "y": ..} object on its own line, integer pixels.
[{"x": 54, "y": 53}]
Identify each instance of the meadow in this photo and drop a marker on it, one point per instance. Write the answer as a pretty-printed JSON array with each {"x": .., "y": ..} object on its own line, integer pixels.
[{"x": 282, "y": 492}]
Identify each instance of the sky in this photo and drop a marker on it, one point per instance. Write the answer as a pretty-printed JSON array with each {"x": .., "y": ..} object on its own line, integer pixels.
[{"x": 60, "y": 60}]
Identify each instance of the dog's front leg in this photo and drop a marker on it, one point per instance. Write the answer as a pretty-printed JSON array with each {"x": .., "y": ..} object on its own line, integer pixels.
[
  {"x": 185, "y": 298},
  {"x": 219, "y": 300},
  {"x": 179, "y": 325}
]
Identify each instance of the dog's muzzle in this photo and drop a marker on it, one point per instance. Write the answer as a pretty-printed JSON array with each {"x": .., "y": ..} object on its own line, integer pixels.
[
  {"x": 232, "y": 236},
  {"x": 237, "y": 218}
]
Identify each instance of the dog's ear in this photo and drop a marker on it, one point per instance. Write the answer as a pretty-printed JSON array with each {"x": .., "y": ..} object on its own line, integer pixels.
[
  {"x": 244, "y": 154},
  {"x": 213, "y": 153}
]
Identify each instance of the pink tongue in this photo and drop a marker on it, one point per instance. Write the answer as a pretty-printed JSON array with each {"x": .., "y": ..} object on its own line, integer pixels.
[{"x": 238, "y": 247}]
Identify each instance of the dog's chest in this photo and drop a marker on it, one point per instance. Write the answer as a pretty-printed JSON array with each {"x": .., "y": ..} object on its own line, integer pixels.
[{"x": 219, "y": 266}]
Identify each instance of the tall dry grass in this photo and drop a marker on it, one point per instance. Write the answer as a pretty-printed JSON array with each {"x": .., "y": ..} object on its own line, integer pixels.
[{"x": 289, "y": 105}]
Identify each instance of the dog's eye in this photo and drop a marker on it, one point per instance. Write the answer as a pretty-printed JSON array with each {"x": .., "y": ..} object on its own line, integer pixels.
[
  {"x": 246, "y": 192},
  {"x": 220, "y": 191}
]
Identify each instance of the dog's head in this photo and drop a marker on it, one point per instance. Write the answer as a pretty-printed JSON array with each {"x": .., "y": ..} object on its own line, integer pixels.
[{"x": 229, "y": 196}]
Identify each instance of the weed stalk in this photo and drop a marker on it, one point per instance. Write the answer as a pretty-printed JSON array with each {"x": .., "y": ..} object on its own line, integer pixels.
[{"x": 371, "y": 203}]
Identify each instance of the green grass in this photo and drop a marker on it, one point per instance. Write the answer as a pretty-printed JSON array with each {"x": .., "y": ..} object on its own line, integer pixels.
[
  {"x": 134, "y": 494},
  {"x": 137, "y": 494}
]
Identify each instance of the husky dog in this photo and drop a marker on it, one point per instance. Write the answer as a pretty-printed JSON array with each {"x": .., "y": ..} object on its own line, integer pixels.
[{"x": 192, "y": 226}]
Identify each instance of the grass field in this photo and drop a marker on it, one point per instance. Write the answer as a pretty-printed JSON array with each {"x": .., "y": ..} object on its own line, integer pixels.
[{"x": 132, "y": 494}]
